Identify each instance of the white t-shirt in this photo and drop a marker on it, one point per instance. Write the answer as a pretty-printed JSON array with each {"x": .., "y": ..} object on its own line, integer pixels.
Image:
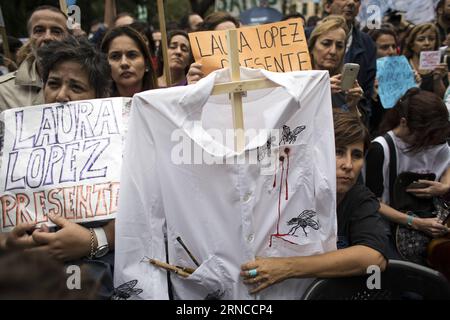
[
  {"x": 226, "y": 214},
  {"x": 435, "y": 160}
]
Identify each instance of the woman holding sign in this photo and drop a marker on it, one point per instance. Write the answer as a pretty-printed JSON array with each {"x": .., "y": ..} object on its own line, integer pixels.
[
  {"x": 72, "y": 69},
  {"x": 327, "y": 45},
  {"x": 421, "y": 39},
  {"x": 215, "y": 21}
]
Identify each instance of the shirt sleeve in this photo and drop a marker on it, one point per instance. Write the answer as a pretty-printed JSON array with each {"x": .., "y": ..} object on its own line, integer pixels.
[
  {"x": 140, "y": 221},
  {"x": 374, "y": 169},
  {"x": 367, "y": 227}
]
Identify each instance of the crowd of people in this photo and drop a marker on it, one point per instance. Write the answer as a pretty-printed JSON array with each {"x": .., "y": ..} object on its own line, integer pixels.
[{"x": 120, "y": 60}]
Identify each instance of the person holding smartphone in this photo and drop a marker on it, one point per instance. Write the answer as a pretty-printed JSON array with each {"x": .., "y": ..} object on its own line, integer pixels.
[
  {"x": 327, "y": 48},
  {"x": 425, "y": 37}
]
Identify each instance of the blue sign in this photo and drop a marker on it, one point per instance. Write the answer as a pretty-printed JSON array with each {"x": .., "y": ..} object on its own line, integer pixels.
[{"x": 395, "y": 76}]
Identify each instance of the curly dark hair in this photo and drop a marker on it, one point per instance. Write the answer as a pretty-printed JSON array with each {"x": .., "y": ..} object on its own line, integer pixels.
[
  {"x": 81, "y": 51},
  {"x": 426, "y": 116}
]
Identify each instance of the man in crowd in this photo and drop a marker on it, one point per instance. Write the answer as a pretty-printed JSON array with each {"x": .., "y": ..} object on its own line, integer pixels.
[{"x": 24, "y": 86}]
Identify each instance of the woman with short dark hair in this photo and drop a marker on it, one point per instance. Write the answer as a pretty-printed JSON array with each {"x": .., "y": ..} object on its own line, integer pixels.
[
  {"x": 86, "y": 59},
  {"x": 72, "y": 69},
  {"x": 361, "y": 236}
]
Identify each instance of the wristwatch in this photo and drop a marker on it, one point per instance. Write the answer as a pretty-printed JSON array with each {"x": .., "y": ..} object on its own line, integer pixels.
[{"x": 102, "y": 243}]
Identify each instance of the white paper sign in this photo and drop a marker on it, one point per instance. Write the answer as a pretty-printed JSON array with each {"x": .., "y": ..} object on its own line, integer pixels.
[
  {"x": 429, "y": 60},
  {"x": 63, "y": 159}
]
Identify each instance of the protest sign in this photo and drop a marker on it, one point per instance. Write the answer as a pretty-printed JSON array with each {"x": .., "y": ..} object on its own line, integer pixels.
[
  {"x": 278, "y": 47},
  {"x": 63, "y": 159},
  {"x": 395, "y": 77},
  {"x": 429, "y": 60}
]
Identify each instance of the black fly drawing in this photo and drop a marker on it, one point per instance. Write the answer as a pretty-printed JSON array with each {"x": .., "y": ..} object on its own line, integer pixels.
[
  {"x": 265, "y": 148},
  {"x": 216, "y": 295},
  {"x": 303, "y": 220},
  {"x": 126, "y": 290},
  {"x": 289, "y": 136}
]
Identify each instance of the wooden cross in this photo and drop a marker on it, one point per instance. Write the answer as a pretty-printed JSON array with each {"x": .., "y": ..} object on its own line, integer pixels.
[
  {"x": 162, "y": 28},
  {"x": 236, "y": 88}
]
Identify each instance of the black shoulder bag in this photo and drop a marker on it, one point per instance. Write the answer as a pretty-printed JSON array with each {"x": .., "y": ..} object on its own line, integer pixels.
[{"x": 411, "y": 244}]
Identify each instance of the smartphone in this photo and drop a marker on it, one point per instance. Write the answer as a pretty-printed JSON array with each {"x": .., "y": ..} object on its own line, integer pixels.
[
  {"x": 349, "y": 75},
  {"x": 417, "y": 185}
]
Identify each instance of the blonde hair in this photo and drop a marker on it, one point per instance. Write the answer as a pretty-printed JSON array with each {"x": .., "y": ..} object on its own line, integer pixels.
[
  {"x": 411, "y": 37},
  {"x": 330, "y": 23}
]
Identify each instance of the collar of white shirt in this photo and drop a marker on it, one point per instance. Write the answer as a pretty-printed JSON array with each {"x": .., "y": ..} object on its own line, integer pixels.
[{"x": 196, "y": 96}]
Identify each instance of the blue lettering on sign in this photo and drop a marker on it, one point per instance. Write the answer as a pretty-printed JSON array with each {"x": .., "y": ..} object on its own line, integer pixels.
[{"x": 65, "y": 148}]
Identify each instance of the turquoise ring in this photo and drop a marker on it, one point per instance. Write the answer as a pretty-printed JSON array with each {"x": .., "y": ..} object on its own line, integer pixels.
[{"x": 252, "y": 273}]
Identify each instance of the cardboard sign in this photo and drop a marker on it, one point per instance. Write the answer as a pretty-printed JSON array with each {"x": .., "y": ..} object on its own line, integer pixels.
[
  {"x": 395, "y": 76},
  {"x": 277, "y": 47},
  {"x": 63, "y": 159},
  {"x": 429, "y": 60}
]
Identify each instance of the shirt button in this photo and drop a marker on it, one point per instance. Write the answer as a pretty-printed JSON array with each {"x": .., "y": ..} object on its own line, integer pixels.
[
  {"x": 250, "y": 238},
  {"x": 247, "y": 197}
]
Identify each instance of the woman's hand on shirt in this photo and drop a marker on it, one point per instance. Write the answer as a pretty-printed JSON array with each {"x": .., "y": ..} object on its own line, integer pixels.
[
  {"x": 269, "y": 272},
  {"x": 71, "y": 242}
]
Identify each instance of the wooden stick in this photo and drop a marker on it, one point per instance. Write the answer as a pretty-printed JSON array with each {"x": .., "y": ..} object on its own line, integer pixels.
[
  {"x": 6, "y": 50},
  {"x": 169, "y": 267},
  {"x": 162, "y": 28},
  {"x": 4, "y": 35},
  {"x": 188, "y": 252},
  {"x": 236, "y": 98},
  {"x": 110, "y": 13},
  {"x": 186, "y": 269},
  {"x": 63, "y": 6}
]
